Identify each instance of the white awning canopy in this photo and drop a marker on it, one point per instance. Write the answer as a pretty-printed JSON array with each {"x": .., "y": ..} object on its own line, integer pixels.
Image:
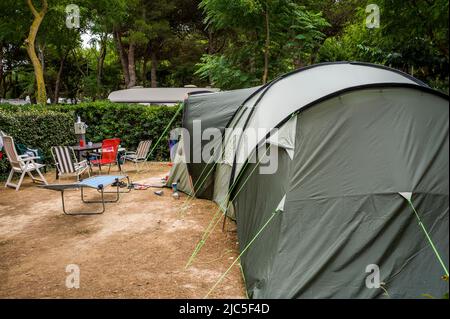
[{"x": 155, "y": 95}]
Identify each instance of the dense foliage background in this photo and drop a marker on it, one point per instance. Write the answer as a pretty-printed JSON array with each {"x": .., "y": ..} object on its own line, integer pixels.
[
  {"x": 44, "y": 127},
  {"x": 223, "y": 43},
  {"x": 171, "y": 43}
]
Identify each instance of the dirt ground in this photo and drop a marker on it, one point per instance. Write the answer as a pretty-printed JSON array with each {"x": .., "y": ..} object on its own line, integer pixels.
[{"x": 137, "y": 249}]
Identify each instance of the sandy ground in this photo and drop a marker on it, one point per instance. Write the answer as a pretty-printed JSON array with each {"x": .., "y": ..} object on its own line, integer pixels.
[{"x": 137, "y": 249}]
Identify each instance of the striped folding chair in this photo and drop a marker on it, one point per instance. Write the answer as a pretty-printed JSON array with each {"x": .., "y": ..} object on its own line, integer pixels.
[
  {"x": 140, "y": 155},
  {"x": 21, "y": 164},
  {"x": 66, "y": 163}
]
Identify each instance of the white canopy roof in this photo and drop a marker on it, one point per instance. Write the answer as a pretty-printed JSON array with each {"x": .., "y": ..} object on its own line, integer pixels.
[{"x": 154, "y": 95}]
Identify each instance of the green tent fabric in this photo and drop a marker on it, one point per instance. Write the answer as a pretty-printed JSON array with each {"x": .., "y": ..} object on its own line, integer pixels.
[
  {"x": 178, "y": 172},
  {"x": 354, "y": 153},
  {"x": 215, "y": 110},
  {"x": 349, "y": 137}
]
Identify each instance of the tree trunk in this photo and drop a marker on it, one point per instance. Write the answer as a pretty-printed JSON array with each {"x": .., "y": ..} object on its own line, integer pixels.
[
  {"x": 58, "y": 78},
  {"x": 1, "y": 68},
  {"x": 144, "y": 70},
  {"x": 210, "y": 49},
  {"x": 154, "y": 82},
  {"x": 6, "y": 79},
  {"x": 298, "y": 63},
  {"x": 50, "y": 93},
  {"x": 14, "y": 83},
  {"x": 210, "y": 52},
  {"x": 29, "y": 44},
  {"x": 131, "y": 66},
  {"x": 123, "y": 56},
  {"x": 40, "y": 54},
  {"x": 5, "y": 85},
  {"x": 266, "y": 48},
  {"x": 101, "y": 61}
]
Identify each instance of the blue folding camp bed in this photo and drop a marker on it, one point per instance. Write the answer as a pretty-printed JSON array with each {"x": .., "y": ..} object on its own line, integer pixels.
[{"x": 97, "y": 182}]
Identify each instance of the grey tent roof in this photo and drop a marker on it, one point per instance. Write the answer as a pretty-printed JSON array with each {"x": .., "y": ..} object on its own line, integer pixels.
[
  {"x": 293, "y": 91},
  {"x": 267, "y": 106},
  {"x": 155, "y": 95},
  {"x": 215, "y": 110}
]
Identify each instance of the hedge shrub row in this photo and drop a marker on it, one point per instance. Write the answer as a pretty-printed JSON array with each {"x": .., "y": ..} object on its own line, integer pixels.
[
  {"x": 43, "y": 127},
  {"x": 37, "y": 128}
]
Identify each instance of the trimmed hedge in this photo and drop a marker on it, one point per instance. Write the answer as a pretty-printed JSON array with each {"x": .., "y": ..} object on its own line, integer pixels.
[
  {"x": 43, "y": 127},
  {"x": 37, "y": 129}
]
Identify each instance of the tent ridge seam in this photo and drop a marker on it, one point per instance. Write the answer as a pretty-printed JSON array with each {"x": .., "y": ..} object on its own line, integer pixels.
[{"x": 365, "y": 194}]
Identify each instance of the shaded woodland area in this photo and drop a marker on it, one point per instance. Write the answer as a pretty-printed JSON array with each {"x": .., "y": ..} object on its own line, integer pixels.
[{"x": 222, "y": 43}]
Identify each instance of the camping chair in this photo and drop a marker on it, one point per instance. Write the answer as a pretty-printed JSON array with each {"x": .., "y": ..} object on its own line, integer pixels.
[
  {"x": 23, "y": 164},
  {"x": 108, "y": 155},
  {"x": 22, "y": 149},
  {"x": 1, "y": 144},
  {"x": 65, "y": 162},
  {"x": 140, "y": 155}
]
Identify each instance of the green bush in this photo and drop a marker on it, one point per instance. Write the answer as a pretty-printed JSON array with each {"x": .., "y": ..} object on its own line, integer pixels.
[
  {"x": 37, "y": 129},
  {"x": 43, "y": 127}
]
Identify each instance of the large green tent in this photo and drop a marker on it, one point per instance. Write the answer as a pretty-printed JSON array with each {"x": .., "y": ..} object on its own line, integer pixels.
[{"x": 362, "y": 154}]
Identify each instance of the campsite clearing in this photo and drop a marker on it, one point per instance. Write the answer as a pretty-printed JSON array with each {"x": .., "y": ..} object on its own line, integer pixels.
[{"x": 137, "y": 249}]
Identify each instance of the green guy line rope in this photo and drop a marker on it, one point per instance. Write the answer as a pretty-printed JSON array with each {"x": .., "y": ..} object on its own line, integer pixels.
[
  {"x": 209, "y": 229},
  {"x": 188, "y": 200},
  {"x": 243, "y": 251},
  {"x": 191, "y": 198},
  {"x": 203, "y": 170},
  {"x": 205, "y": 236},
  {"x": 428, "y": 237},
  {"x": 165, "y": 131},
  {"x": 212, "y": 225},
  {"x": 243, "y": 278}
]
